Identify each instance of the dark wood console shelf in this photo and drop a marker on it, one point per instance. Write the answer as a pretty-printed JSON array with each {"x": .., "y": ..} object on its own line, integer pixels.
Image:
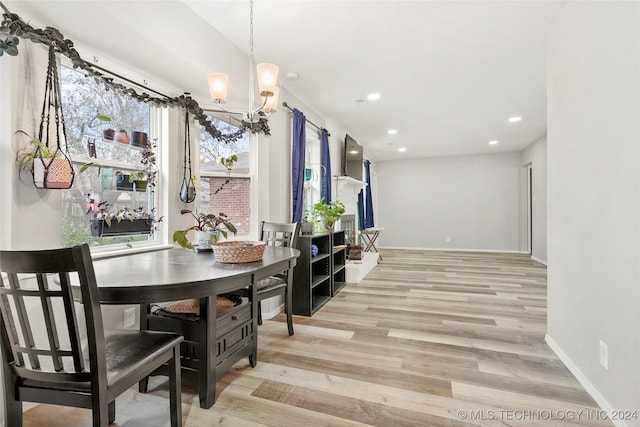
[{"x": 316, "y": 279}]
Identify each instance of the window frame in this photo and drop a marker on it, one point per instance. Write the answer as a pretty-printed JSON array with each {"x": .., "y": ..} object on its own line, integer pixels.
[
  {"x": 157, "y": 129},
  {"x": 250, "y": 175}
]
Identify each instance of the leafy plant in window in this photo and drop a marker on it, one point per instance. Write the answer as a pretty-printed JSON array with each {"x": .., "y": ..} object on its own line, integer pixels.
[
  {"x": 103, "y": 211},
  {"x": 148, "y": 162},
  {"x": 213, "y": 224}
]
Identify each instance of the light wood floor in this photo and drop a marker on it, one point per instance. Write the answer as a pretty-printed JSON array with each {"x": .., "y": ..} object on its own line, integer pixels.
[{"x": 427, "y": 339}]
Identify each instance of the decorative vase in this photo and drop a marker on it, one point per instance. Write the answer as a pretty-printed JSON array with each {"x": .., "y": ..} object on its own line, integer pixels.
[
  {"x": 139, "y": 139},
  {"x": 306, "y": 227},
  {"x": 206, "y": 238},
  {"x": 122, "y": 137},
  {"x": 187, "y": 193},
  {"x": 108, "y": 134},
  {"x": 329, "y": 225}
]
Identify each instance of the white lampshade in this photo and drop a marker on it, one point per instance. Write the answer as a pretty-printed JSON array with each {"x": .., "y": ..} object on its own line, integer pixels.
[
  {"x": 218, "y": 84},
  {"x": 267, "y": 78},
  {"x": 272, "y": 101}
]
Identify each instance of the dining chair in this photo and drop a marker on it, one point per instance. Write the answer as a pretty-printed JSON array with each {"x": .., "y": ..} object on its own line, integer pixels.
[
  {"x": 56, "y": 351},
  {"x": 278, "y": 234}
]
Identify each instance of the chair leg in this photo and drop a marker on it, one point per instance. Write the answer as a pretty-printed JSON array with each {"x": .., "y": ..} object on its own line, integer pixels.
[
  {"x": 287, "y": 310},
  {"x": 288, "y": 301},
  {"x": 13, "y": 408},
  {"x": 101, "y": 412},
  {"x": 143, "y": 385},
  {"x": 175, "y": 381},
  {"x": 112, "y": 412}
]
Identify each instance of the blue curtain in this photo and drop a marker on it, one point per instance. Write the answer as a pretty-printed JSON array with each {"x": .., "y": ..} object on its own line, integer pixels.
[
  {"x": 361, "y": 210},
  {"x": 368, "y": 210},
  {"x": 325, "y": 161},
  {"x": 297, "y": 163}
]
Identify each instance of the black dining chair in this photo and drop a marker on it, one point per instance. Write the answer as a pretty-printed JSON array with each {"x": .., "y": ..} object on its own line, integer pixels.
[
  {"x": 277, "y": 234},
  {"x": 46, "y": 356}
]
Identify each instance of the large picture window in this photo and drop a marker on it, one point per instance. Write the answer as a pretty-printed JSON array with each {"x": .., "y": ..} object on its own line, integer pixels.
[
  {"x": 115, "y": 180},
  {"x": 221, "y": 190}
]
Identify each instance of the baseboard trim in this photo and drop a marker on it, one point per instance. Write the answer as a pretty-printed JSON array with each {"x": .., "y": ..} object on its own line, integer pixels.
[
  {"x": 583, "y": 380},
  {"x": 541, "y": 261},
  {"x": 502, "y": 251},
  {"x": 266, "y": 315}
]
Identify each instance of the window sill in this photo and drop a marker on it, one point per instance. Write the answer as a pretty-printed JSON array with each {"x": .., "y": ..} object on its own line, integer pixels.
[{"x": 128, "y": 251}]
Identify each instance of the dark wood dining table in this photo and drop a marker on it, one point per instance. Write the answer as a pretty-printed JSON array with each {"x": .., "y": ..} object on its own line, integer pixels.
[{"x": 175, "y": 274}]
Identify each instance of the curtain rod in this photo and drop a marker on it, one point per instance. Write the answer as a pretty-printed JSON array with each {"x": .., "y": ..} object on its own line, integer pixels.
[{"x": 284, "y": 104}]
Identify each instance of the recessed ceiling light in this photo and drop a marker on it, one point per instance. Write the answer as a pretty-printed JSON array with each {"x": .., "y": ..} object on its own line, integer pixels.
[
  {"x": 402, "y": 149},
  {"x": 392, "y": 131},
  {"x": 353, "y": 152},
  {"x": 373, "y": 96},
  {"x": 494, "y": 142},
  {"x": 515, "y": 119}
]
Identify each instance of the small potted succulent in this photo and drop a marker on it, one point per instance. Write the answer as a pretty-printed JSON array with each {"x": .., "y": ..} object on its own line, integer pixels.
[{"x": 208, "y": 226}]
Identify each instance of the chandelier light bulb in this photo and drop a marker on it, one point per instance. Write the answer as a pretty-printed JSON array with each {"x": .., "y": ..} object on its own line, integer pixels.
[
  {"x": 267, "y": 78},
  {"x": 218, "y": 84}
]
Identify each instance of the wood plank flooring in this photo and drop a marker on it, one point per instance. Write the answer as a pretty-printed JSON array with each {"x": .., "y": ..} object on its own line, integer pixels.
[{"x": 427, "y": 339}]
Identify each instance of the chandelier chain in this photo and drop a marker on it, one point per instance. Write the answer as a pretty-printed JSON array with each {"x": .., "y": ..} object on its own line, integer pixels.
[{"x": 251, "y": 29}]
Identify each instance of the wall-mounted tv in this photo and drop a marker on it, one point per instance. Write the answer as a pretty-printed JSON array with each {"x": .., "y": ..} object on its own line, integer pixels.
[{"x": 352, "y": 158}]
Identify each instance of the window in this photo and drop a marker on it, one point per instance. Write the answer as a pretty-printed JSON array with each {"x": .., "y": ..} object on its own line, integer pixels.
[
  {"x": 221, "y": 190},
  {"x": 111, "y": 180}
]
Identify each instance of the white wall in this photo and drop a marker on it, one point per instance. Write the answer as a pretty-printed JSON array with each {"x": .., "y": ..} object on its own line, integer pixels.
[
  {"x": 593, "y": 202},
  {"x": 473, "y": 200},
  {"x": 534, "y": 156}
]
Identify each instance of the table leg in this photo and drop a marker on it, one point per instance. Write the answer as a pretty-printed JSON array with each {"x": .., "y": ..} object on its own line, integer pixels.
[
  {"x": 253, "y": 357},
  {"x": 207, "y": 364}
]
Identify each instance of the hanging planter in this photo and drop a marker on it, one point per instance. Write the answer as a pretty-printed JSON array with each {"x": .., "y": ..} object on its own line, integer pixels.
[
  {"x": 188, "y": 188},
  {"x": 51, "y": 165}
]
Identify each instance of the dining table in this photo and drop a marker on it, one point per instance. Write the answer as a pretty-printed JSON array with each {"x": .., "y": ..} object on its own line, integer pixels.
[{"x": 176, "y": 274}]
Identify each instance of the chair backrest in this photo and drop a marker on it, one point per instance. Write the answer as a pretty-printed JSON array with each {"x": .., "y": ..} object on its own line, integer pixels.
[
  {"x": 276, "y": 234},
  {"x": 349, "y": 226},
  {"x": 42, "y": 338}
]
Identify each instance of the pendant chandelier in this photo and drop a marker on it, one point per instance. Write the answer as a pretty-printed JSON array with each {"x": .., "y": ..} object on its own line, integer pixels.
[{"x": 267, "y": 85}]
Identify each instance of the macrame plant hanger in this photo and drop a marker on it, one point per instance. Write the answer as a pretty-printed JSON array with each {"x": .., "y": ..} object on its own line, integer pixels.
[
  {"x": 188, "y": 189},
  {"x": 51, "y": 167}
]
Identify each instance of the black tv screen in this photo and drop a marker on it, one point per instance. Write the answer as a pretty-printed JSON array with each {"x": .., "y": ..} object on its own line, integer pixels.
[{"x": 352, "y": 159}]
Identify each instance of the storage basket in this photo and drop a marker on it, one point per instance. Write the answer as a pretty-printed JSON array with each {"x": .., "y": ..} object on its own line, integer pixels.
[{"x": 238, "y": 251}]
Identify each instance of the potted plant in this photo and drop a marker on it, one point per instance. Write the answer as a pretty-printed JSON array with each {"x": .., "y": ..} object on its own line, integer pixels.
[
  {"x": 208, "y": 227},
  {"x": 325, "y": 214},
  {"x": 141, "y": 179},
  {"x": 109, "y": 222},
  {"x": 49, "y": 166}
]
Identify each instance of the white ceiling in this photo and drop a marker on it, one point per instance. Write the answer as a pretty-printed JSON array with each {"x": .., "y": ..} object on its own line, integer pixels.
[{"x": 450, "y": 73}]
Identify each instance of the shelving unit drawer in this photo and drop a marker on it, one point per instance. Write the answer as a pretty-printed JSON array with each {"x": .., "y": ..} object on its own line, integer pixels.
[
  {"x": 235, "y": 317},
  {"x": 234, "y": 340}
]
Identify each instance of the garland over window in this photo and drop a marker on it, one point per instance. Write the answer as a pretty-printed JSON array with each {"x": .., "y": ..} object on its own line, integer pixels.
[{"x": 13, "y": 26}]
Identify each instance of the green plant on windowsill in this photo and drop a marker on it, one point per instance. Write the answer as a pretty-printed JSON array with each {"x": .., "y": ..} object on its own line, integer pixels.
[
  {"x": 103, "y": 211},
  {"x": 208, "y": 223},
  {"x": 148, "y": 162}
]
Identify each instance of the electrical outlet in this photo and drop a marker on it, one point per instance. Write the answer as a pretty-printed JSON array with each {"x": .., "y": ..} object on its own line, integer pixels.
[
  {"x": 604, "y": 355},
  {"x": 130, "y": 317}
]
